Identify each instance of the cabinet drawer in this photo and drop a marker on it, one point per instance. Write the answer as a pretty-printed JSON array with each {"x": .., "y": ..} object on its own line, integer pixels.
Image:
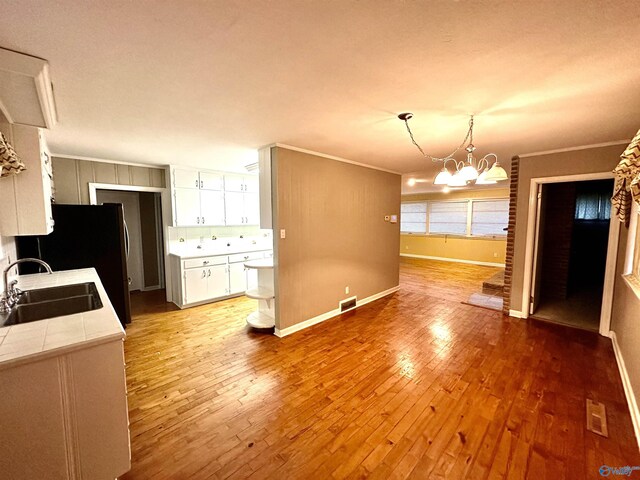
[
  {"x": 243, "y": 257},
  {"x": 204, "y": 261}
]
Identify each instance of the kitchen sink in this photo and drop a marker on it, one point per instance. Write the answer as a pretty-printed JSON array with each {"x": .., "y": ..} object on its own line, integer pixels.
[
  {"x": 57, "y": 293},
  {"x": 52, "y": 302}
]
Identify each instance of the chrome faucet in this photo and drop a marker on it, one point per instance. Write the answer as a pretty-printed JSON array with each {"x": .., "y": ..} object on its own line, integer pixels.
[{"x": 11, "y": 291}]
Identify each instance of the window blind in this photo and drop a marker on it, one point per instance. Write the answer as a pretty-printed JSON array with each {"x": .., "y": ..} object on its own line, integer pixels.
[
  {"x": 413, "y": 217},
  {"x": 489, "y": 217},
  {"x": 448, "y": 218}
]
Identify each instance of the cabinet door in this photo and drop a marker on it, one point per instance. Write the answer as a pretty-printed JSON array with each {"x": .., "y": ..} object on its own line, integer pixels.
[
  {"x": 185, "y": 178},
  {"x": 251, "y": 183},
  {"x": 211, "y": 181},
  {"x": 195, "y": 285},
  {"x": 218, "y": 281},
  {"x": 234, "y": 208},
  {"x": 251, "y": 209},
  {"x": 187, "y": 207},
  {"x": 237, "y": 278},
  {"x": 211, "y": 207},
  {"x": 234, "y": 183}
]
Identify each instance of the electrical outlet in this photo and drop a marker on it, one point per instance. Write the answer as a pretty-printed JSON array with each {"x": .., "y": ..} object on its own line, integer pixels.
[
  {"x": 406, "y": 247},
  {"x": 283, "y": 233},
  {"x": 495, "y": 254},
  {"x": 346, "y": 290},
  {"x": 387, "y": 218}
]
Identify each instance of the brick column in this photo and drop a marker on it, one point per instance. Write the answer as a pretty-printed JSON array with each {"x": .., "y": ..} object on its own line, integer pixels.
[{"x": 511, "y": 234}]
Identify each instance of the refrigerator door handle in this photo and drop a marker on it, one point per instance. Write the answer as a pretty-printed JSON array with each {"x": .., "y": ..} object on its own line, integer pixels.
[{"x": 127, "y": 240}]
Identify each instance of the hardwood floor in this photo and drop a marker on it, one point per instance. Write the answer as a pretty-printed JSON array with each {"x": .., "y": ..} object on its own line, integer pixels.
[{"x": 414, "y": 385}]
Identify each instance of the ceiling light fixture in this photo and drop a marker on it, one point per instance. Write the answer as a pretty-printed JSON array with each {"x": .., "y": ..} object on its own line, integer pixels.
[{"x": 467, "y": 172}]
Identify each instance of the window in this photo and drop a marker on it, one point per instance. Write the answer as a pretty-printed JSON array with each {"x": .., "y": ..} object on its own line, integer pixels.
[
  {"x": 489, "y": 217},
  {"x": 448, "y": 217},
  {"x": 477, "y": 218},
  {"x": 413, "y": 217},
  {"x": 593, "y": 206}
]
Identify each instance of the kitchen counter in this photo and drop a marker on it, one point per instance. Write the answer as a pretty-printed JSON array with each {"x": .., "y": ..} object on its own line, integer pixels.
[
  {"x": 190, "y": 252},
  {"x": 27, "y": 342}
]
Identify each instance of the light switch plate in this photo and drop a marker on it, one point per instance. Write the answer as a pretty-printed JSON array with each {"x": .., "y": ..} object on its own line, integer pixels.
[{"x": 394, "y": 218}]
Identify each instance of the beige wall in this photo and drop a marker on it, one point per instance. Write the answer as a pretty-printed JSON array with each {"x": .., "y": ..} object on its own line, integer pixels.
[
  {"x": 71, "y": 177},
  {"x": 625, "y": 319},
  {"x": 333, "y": 214},
  {"x": 483, "y": 250},
  {"x": 592, "y": 160}
]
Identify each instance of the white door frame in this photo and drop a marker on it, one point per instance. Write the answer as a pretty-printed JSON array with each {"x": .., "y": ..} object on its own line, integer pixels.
[
  {"x": 166, "y": 218},
  {"x": 612, "y": 246}
]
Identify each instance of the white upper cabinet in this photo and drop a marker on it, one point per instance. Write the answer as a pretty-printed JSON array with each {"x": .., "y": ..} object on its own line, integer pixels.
[
  {"x": 211, "y": 181},
  {"x": 186, "y": 210},
  {"x": 186, "y": 178},
  {"x": 212, "y": 207},
  {"x": 213, "y": 198},
  {"x": 26, "y": 197},
  {"x": 240, "y": 183}
]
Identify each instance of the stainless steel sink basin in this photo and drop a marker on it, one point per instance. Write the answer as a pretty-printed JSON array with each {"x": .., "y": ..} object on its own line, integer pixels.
[
  {"x": 54, "y": 302},
  {"x": 57, "y": 293}
]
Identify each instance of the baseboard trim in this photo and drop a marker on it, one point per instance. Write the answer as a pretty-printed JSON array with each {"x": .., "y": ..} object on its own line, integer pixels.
[
  {"x": 455, "y": 260},
  {"x": 628, "y": 389},
  {"x": 517, "y": 314},
  {"x": 333, "y": 313}
]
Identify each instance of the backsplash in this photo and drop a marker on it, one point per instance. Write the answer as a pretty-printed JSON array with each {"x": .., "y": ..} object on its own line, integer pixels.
[
  {"x": 210, "y": 237},
  {"x": 7, "y": 255}
]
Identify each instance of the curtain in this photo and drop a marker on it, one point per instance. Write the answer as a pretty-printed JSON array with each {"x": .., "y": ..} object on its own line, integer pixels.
[
  {"x": 593, "y": 206},
  {"x": 627, "y": 186},
  {"x": 9, "y": 161}
]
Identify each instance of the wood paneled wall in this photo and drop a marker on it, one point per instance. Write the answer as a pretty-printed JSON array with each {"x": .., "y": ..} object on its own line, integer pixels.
[
  {"x": 71, "y": 177},
  {"x": 336, "y": 236}
]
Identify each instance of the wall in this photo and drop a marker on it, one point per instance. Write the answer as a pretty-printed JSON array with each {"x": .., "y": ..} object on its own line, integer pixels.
[
  {"x": 7, "y": 244},
  {"x": 556, "y": 230},
  {"x": 149, "y": 238},
  {"x": 71, "y": 177},
  {"x": 476, "y": 249},
  {"x": 591, "y": 160},
  {"x": 625, "y": 319},
  {"x": 333, "y": 214}
]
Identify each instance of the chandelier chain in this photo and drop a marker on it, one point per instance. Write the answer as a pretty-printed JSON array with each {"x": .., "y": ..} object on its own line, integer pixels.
[{"x": 468, "y": 136}]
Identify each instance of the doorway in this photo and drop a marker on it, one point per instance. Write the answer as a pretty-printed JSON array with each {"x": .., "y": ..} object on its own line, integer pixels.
[
  {"x": 143, "y": 217},
  {"x": 570, "y": 252}
]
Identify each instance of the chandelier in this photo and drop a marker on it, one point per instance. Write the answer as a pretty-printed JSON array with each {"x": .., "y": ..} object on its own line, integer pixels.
[{"x": 467, "y": 172}]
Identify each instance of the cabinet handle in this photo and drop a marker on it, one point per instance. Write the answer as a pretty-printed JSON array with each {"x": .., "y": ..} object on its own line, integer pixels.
[
  {"x": 203, "y": 220},
  {"x": 196, "y": 183},
  {"x": 209, "y": 273},
  {"x": 201, "y": 183},
  {"x": 204, "y": 273},
  {"x": 197, "y": 219},
  {"x": 206, "y": 262}
]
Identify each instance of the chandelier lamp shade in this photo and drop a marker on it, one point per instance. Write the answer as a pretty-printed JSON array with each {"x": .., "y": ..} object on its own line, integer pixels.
[{"x": 468, "y": 172}]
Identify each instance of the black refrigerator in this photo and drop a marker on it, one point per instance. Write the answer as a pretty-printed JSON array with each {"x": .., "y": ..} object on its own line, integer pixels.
[{"x": 85, "y": 236}]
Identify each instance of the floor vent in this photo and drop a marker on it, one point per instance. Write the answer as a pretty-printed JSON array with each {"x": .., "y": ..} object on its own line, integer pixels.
[
  {"x": 597, "y": 418},
  {"x": 348, "y": 304}
]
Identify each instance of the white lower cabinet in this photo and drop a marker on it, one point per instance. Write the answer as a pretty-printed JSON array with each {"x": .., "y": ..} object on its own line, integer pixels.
[
  {"x": 204, "y": 279},
  {"x": 237, "y": 278},
  {"x": 201, "y": 284},
  {"x": 65, "y": 417}
]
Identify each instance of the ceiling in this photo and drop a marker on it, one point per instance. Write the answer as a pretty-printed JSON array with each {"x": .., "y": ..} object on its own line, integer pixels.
[{"x": 207, "y": 83}]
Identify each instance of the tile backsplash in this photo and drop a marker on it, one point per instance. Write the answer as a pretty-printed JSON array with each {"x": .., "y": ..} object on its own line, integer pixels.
[{"x": 192, "y": 237}]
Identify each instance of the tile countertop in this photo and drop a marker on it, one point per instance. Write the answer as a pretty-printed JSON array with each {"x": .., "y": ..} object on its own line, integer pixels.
[
  {"x": 33, "y": 341},
  {"x": 190, "y": 252}
]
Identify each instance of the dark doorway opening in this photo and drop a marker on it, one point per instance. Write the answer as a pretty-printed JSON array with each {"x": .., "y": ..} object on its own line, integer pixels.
[{"x": 572, "y": 252}]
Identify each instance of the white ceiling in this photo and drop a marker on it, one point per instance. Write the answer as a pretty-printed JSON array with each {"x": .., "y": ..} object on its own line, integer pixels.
[{"x": 206, "y": 83}]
